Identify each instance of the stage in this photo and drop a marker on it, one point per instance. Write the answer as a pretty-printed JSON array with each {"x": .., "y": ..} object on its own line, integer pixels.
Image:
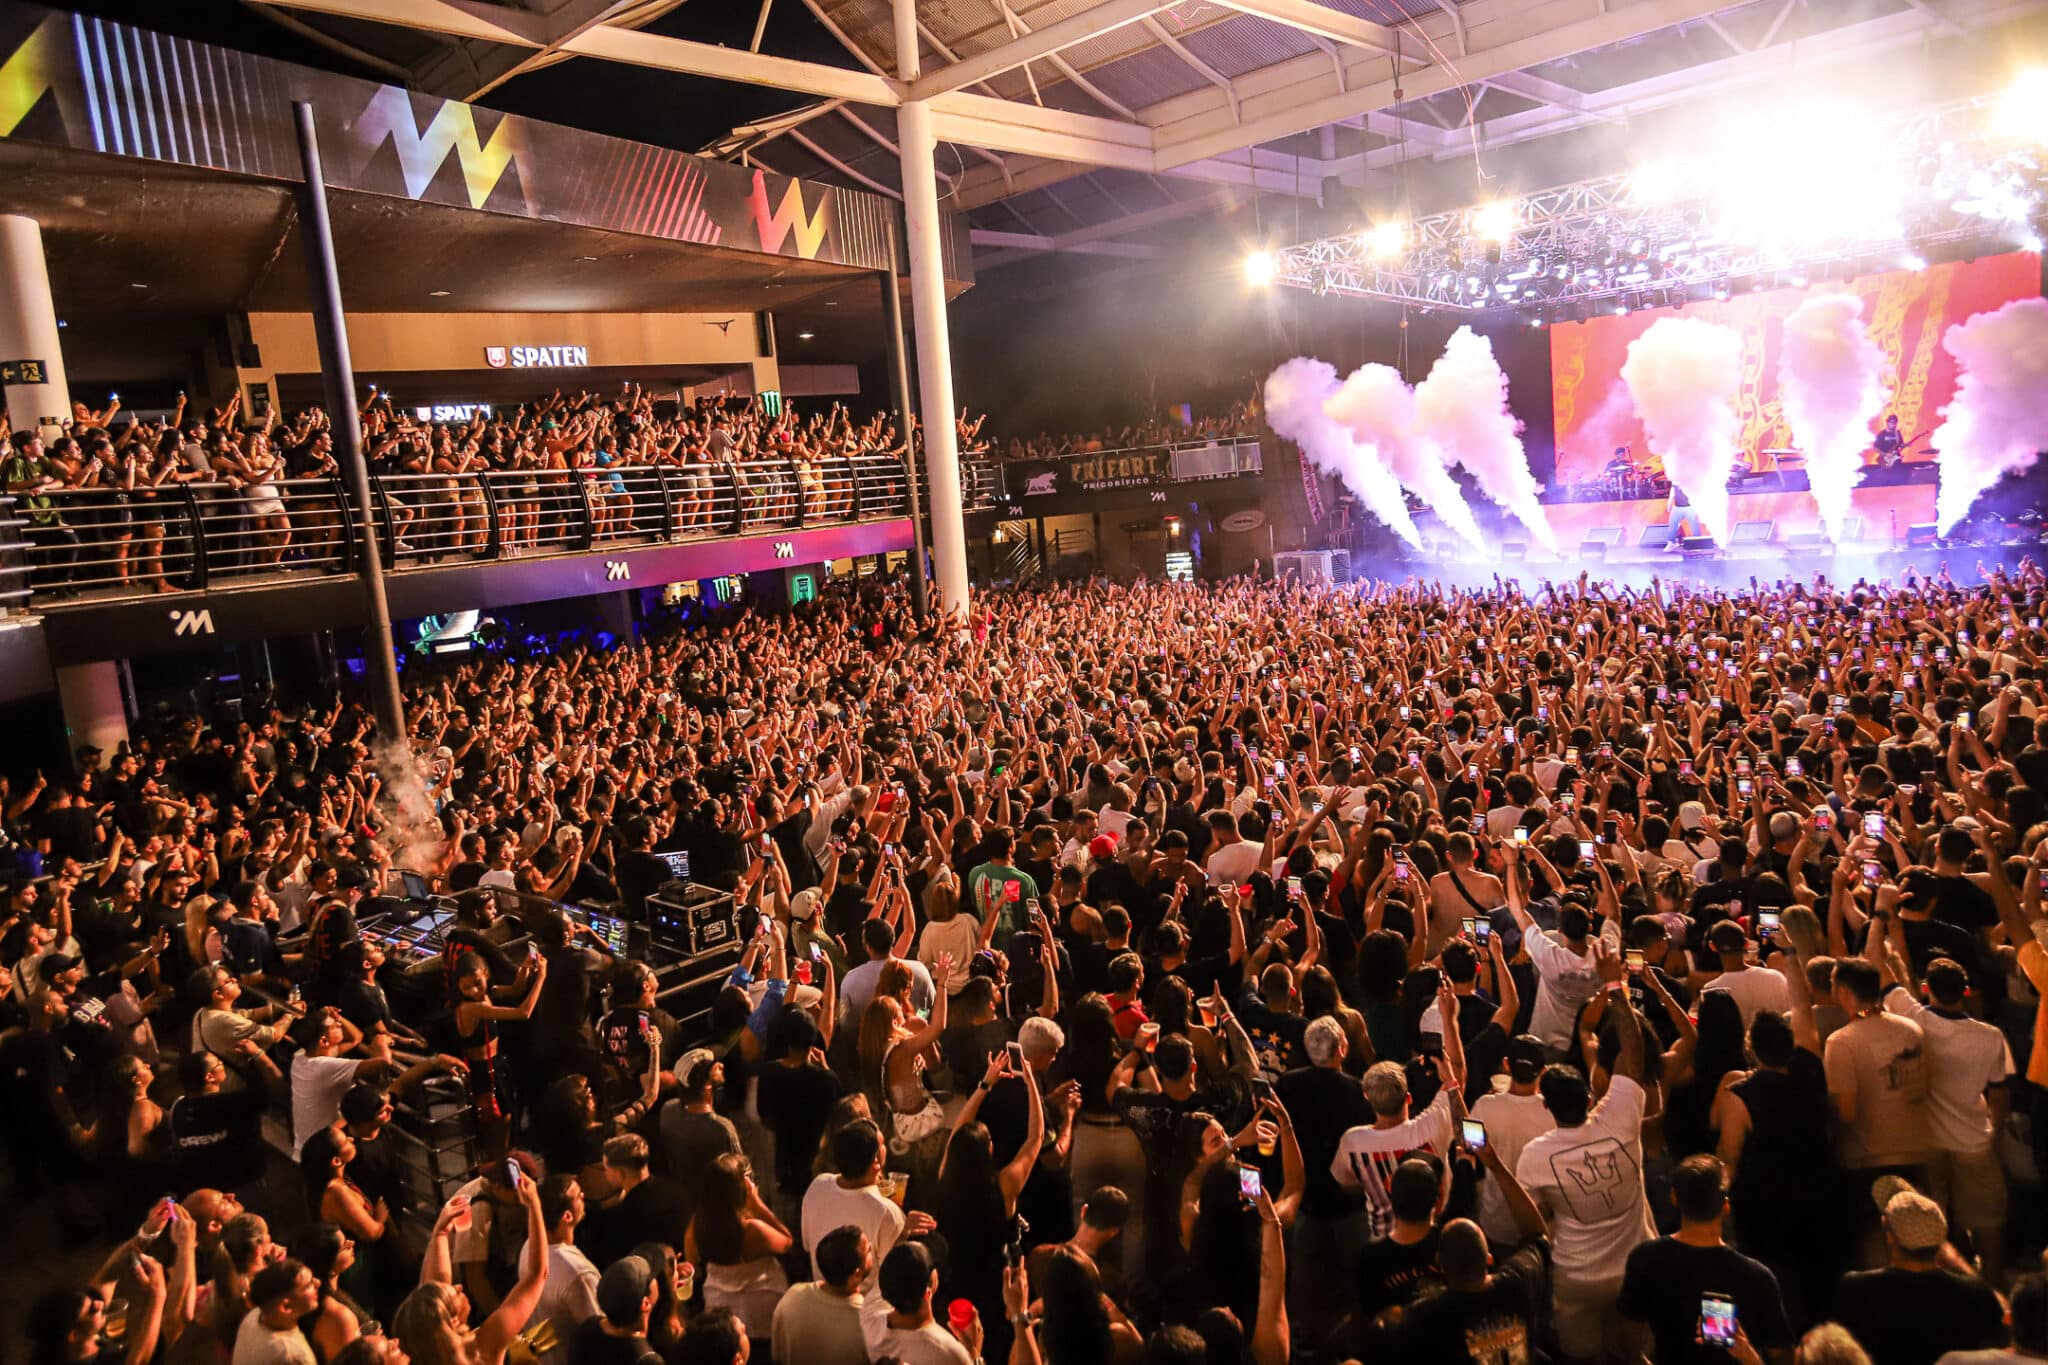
[{"x": 1771, "y": 523}]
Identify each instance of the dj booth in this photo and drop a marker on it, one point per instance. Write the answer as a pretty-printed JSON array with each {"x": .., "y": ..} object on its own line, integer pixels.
[{"x": 691, "y": 938}]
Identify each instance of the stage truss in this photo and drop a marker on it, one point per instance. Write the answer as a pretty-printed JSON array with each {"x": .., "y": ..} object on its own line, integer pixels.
[{"x": 1616, "y": 242}]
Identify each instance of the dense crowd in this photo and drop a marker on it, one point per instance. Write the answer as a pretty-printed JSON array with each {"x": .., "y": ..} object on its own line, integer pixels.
[
  {"x": 1162, "y": 973},
  {"x": 1240, "y": 419},
  {"x": 104, "y": 503}
]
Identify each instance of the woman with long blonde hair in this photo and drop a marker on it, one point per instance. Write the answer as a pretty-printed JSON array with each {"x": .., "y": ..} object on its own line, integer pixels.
[
  {"x": 893, "y": 1055},
  {"x": 433, "y": 1322}
]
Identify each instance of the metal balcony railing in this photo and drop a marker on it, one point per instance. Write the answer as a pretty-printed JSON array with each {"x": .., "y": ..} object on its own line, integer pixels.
[{"x": 92, "y": 543}]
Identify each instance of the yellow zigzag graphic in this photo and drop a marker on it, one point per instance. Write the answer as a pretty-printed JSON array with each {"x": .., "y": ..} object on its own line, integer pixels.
[
  {"x": 775, "y": 227},
  {"x": 421, "y": 154},
  {"x": 29, "y": 74}
]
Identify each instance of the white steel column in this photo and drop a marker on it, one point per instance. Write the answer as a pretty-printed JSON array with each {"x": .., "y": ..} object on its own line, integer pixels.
[
  {"x": 28, "y": 329},
  {"x": 928, "y": 321}
]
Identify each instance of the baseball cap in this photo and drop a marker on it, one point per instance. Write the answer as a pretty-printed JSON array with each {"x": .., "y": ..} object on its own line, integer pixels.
[
  {"x": 1525, "y": 1057},
  {"x": 1103, "y": 846},
  {"x": 804, "y": 905},
  {"x": 1692, "y": 815},
  {"x": 1915, "y": 1222},
  {"x": 622, "y": 1289}
]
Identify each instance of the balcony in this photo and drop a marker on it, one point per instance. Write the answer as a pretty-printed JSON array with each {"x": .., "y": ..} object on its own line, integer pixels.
[
  {"x": 108, "y": 574},
  {"x": 113, "y": 573}
]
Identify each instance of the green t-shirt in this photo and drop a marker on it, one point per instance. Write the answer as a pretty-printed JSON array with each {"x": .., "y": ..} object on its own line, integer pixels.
[{"x": 988, "y": 888}]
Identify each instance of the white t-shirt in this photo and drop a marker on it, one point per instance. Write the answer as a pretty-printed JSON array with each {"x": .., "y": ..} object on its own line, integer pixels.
[
  {"x": 1755, "y": 989},
  {"x": 930, "y": 1344},
  {"x": 1564, "y": 981},
  {"x": 1964, "y": 1058},
  {"x": 1232, "y": 863},
  {"x": 499, "y": 877},
  {"x": 827, "y": 1206},
  {"x": 318, "y": 1083},
  {"x": 568, "y": 1296},
  {"x": 1512, "y": 1123},
  {"x": 1591, "y": 1178},
  {"x": 1367, "y": 1157},
  {"x": 857, "y": 991},
  {"x": 256, "y": 1344}
]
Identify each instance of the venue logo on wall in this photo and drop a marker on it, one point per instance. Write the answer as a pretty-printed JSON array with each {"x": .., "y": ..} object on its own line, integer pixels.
[
  {"x": 1244, "y": 519},
  {"x": 1124, "y": 469},
  {"x": 80, "y": 81},
  {"x": 389, "y": 118},
  {"x": 536, "y": 357},
  {"x": 789, "y": 215}
]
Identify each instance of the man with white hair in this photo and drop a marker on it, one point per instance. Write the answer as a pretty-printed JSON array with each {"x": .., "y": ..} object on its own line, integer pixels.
[
  {"x": 1329, "y": 1227},
  {"x": 1367, "y": 1154}
]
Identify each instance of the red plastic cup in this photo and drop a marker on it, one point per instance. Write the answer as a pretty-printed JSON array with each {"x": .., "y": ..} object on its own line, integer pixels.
[{"x": 959, "y": 1316}]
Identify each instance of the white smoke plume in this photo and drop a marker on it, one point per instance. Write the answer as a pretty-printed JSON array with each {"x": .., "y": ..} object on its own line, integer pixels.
[
  {"x": 1683, "y": 374},
  {"x": 1378, "y": 408},
  {"x": 1830, "y": 376},
  {"x": 1998, "y": 422},
  {"x": 1295, "y": 394},
  {"x": 1463, "y": 408}
]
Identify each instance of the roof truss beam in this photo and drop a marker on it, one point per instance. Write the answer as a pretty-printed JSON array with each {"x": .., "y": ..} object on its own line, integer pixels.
[
  {"x": 1031, "y": 46},
  {"x": 1503, "y": 36}
]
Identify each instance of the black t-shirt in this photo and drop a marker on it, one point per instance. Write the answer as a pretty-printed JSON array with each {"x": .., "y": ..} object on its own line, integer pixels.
[
  {"x": 653, "y": 1211},
  {"x": 592, "y": 1345},
  {"x": 794, "y": 1103},
  {"x": 1391, "y": 1273},
  {"x": 1275, "y": 1037},
  {"x": 1324, "y": 1102},
  {"x": 1665, "y": 1281},
  {"x": 364, "y": 1004},
  {"x": 375, "y": 1169},
  {"x": 1492, "y": 1326},
  {"x": 638, "y": 873},
  {"x": 1914, "y": 1317},
  {"x": 214, "y": 1138},
  {"x": 1960, "y": 901}
]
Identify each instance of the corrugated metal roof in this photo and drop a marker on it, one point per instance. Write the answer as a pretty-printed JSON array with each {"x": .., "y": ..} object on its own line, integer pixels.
[
  {"x": 1243, "y": 44},
  {"x": 1148, "y": 77}
]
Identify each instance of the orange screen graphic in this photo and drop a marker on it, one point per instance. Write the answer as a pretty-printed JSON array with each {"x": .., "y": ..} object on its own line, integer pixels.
[{"x": 1907, "y": 313}]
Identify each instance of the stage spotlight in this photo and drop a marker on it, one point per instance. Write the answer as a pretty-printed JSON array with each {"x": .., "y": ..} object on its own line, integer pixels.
[
  {"x": 1910, "y": 261},
  {"x": 2023, "y": 109},
  {"x": 1259, "y": 268},
  {"x": 1388, "y": 239},
  {"x": 1495, "y": 221},
  {"x": 1655, "y": 183}
]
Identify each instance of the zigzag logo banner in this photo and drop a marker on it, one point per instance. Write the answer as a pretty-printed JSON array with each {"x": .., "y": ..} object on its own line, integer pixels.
[{"x": 93, "y": 85}]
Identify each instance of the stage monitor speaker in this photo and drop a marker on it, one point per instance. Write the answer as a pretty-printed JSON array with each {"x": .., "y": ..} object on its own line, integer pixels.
[
  {"x": 1654, "y": 537},
  {"x": 1516, "y": 550},
  {"x": 1698, "y": 547},
  {"x": 1807, "y": 543},
  {"x": 1593, "y": 549},
  {"x": 1921, "y": 535},
  {"x": 1751, "y": 533}
]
